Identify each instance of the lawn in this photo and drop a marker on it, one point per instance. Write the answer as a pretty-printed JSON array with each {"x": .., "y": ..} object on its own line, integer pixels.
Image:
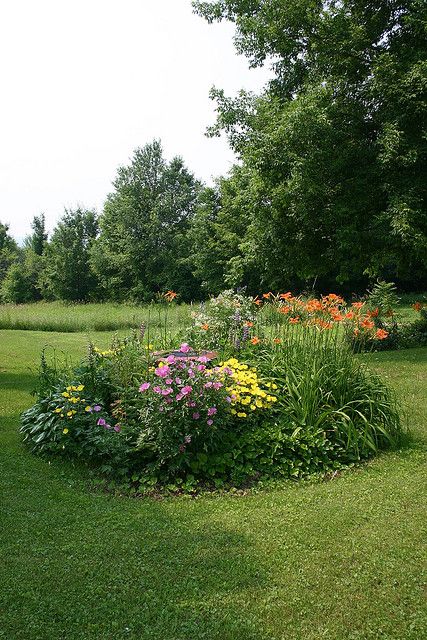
[{"x": 335, "y": 560}]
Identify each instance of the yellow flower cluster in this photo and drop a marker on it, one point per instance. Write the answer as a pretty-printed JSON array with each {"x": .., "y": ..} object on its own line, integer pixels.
[
  {"x": 245, "y": 390},
  {"x": 73, "y": 399}
]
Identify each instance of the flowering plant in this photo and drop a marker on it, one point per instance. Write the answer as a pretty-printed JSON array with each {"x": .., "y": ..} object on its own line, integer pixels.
[
  {"x": 184, "y": 406},
  {"x": 67, "y": 421}
]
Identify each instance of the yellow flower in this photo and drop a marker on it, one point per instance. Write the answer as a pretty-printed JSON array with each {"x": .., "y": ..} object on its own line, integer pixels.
[
  {"x": 80, "y": 387},
  {"x": 57, "y": 410},
  {"x": 65, "y": 430},
  {"x": 69, "y": 388},
  {"x": 88, "y": 408},
  {"x": 241, "y": 414},
  {"x": 69, "y": 413},
  {"x": 65, "y": 394}
]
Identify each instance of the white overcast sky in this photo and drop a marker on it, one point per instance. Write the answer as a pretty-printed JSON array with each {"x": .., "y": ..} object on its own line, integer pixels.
[{"x": 84, "y": 82}]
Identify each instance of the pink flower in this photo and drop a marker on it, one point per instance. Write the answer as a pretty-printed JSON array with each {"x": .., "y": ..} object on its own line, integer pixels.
[
  {"x": 196, "y": 415},
  {"x": 162, "y": 371},
  {"x": 217, "y": 385},
  {"x": 178, "y": 380},
  {"x": 186, "y": 390},
  {"x": 187, "y": 439},
  {"x": 201, "y": 367},
  {"x": 191, "y": 373},
  {"x": 209, "y": 422},
  {"x": 212, "y": 411},
  {"x": 179, "y": 396},
  {"x": 191, "y": 404},
  {"x": 203, "y": 359},
  {"x": 208, "y": 385},
  {"x": 170, "y": 359},
  {"x": 157, "y": 389},
  {"x": 144, "y": 386},
  {"x": 117, "y": 428},
  {"x": 169, "y": 381},
  {"x": 185, "y": 348},
  {"x": 167, "y": 391}
]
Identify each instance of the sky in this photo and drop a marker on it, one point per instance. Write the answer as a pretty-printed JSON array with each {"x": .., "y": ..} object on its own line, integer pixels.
[{"x": 85, "y": 82}]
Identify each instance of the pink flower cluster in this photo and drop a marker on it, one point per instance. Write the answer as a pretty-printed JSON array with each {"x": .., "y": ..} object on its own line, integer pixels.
[{"x": 181, "y": 383}]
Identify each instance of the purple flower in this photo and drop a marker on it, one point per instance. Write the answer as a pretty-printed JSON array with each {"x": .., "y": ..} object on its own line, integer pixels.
[
  {"x": 117, "y": 428},
  {"x": 181, "y": 448},
  {"x": 107, "y": 426},
  {"x": 97, "y": 408},
  {"x": 178, "y": 380},
  {"x": 212, "y": 411},
  {"x": 143, "y": 387},
  {"x": 196, "y": 415},
  {"x": 185, "y": 348},
  {"x": 191, "y": 404},
  {"x": 162, "y": 371},
  {"x": 208, "y": 385},
  {"x": 191, "y": 373},
  {"x": 101, "y": 422},
  {"x": 186, "y": 390},
  {"x": 167, "y": 391},
  {"x": 209, "y": 422}
]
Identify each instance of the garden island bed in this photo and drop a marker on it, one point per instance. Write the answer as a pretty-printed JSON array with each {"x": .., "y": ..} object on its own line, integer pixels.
[{"x": 261, "y": 391}]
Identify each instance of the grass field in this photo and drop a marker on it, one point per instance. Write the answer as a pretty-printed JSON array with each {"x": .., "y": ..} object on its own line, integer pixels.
[
  {"x": 59, "y": 316},
  {"x": 339, "y": 560}
]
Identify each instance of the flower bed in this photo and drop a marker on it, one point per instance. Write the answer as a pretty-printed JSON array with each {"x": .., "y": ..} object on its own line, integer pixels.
[{"x": 262, "y": 397}]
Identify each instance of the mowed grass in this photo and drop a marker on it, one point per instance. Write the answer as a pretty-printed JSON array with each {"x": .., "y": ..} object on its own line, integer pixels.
[
  {"x": 63, "y": 317},
  {"x": 334, "y": 560}
]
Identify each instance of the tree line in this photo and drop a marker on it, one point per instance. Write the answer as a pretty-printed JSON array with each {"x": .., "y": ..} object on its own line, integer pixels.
[{"x": 328, "y": 190}]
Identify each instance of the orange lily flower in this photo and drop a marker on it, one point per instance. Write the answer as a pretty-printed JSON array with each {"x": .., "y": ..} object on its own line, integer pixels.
[{"x": 255, "y": 340}]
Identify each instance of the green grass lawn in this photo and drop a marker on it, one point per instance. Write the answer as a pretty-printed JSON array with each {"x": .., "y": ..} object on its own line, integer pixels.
[{"x": 335, "y": 560}]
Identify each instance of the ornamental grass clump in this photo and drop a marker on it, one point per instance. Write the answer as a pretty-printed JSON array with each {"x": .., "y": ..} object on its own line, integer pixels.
[{"x": 323, "y": 388}]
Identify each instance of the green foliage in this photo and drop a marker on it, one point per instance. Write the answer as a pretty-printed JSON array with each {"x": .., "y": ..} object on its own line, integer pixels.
[
  {"x": 21, "y": 282},
  {"x": 143, "y": 245},
  {"x": 8, "y": 250},
  {"x": 383, "y": 296},
  {"x": 333, "y": 151},
  {"x": 67, "y": 273}
]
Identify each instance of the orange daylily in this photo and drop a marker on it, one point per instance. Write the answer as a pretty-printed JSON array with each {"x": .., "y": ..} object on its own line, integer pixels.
[
  {"x": 367, "y": 324},
  {"x": 294, "y": 320},
  {"x": 357, "y": 305},
  {"x": 205, "y": 327},
  {"x": 277, "y": 340},
  {"x": 170, "y": 295},
  {"x": 257, "y": 301},
  {"x": 285, "y": 296},
  {"x": 255, "y": 340},
  {"x": 267, "y": 296},
  {"x": 381, "y": 334},
  {"x": 285, "y": 309},
  {"x": 417, "y": 306},
  {"x": 249, "y": 324}
]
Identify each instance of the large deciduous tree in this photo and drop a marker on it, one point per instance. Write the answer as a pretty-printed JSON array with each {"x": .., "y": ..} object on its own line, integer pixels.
[
  {"x": 144, "y": 246},
  {"x": 334, "y": 150}
]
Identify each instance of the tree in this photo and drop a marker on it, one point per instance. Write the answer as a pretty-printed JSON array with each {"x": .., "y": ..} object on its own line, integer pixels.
[
  {"x": 143, "y": 246},
  {"x": 67, "y": 273},
  {"x": 335, "y": 147},
  {"x": 38, "y": 238},
  {"x": 8, "y": 250}
]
